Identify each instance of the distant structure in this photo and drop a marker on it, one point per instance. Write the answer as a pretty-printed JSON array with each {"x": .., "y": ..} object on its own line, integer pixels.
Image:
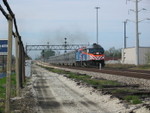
[{"x": 129, "y": 56}]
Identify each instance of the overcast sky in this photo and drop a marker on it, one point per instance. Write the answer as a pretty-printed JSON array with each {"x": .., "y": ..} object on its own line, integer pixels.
[{"x": 42, "y": 21}]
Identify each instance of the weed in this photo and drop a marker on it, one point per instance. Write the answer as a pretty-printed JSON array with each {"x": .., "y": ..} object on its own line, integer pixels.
[
  {"x": 3, "y": 90},
  {"x": 123, "y": 90},
  {"x": 133, "y": 99},
  {"x": 119, "y": 66},
  {"x": 1, "y": 110},
  {"x": 142, "y": 67}
]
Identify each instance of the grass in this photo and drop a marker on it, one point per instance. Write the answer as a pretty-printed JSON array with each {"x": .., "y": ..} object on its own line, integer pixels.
[
  {"x": 142, "y": 67},
  {"x": 133, "y": 99},
  {"x": 3, "y": 90},
  {"x": 55, "y": 70},
  {"x": 124, "y": 90},
  {"x": 128, "y": 66},
  {"x": 119, "y": 66},
  {"x": 1, "y": 109}
]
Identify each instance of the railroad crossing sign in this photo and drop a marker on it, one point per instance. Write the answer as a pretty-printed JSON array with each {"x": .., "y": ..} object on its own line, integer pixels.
[{"x": 3, "y": 46}]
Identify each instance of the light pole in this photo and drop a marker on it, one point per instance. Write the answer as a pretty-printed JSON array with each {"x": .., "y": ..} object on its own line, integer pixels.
[
  {"x": 125, "y": 37},
  {"x": 97, "y": 22}
]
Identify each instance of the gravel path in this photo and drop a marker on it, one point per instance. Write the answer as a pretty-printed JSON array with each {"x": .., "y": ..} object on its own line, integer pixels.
[
  {"x": 58, "y": 94},
  {"x": 54, "y": 96}
]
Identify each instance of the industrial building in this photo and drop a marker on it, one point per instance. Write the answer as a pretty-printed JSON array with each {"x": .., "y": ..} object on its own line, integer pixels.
[{"x": 129, "y": 55}]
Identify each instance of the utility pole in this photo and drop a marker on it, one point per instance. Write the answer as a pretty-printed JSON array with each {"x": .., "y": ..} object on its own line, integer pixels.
[
  {"x": 137, "y": 28},
  {"x": 137, "y": 33},
  {"x": 97, "y": 22},
  {"x": 9, "y": 59}
]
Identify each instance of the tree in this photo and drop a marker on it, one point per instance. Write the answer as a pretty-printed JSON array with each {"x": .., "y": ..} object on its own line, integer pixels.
[
  {"x": 147, "y": 58},
  {"x": 114, "y": 53},
  {"x": 47, "y": 53}
]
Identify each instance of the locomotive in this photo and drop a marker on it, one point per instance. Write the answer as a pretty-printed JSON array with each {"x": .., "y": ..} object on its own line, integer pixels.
[{"x": 86, "y": 56}]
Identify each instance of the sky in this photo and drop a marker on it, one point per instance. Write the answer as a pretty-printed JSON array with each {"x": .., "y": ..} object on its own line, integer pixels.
[{"x": 42, "y": 21}]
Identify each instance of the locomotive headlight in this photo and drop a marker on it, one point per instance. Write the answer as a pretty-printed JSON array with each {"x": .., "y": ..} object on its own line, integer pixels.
[{"x": 97, "y": 53}]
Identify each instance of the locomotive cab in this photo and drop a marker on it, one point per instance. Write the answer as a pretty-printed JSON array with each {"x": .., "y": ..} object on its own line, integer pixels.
[{"x": 92, "y": 55}]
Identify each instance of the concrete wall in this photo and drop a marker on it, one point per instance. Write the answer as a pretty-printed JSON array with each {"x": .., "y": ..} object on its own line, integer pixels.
[
  {"x": 129, "y": 56},
  {"x": 28, "y": 68},
  {"x": 144, "y": 55}
]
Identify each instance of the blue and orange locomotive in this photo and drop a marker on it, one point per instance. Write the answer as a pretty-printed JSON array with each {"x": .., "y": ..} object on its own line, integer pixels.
[{"x": 85, "y": 56}]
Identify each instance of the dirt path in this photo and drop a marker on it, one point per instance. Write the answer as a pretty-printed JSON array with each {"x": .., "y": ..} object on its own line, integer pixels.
[{"x": 55, "y": 96}]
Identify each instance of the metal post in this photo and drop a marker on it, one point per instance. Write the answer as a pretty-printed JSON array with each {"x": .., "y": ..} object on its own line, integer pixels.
[
  {"x": 23, "y": 66},
  {"x": 26, "y": 49},
  {"x": 125, "y": 44},
  {"x": 3, "y": 68},
  {"x": 9, "y": 59},
  {"x": 137, "y": 35},
  {"x": 20, "y": 64},
  {"x": 17, "y": 66},
  {"x": 100, "y": 66},
  {"x": 97, "y": 22}
]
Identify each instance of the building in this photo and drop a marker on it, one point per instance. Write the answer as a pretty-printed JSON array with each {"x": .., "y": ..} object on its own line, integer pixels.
[{"x": 129, "y": 55}]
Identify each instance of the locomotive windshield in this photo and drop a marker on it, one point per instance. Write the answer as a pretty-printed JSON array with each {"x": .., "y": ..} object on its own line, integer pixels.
[{"x": 96, "y": 51}]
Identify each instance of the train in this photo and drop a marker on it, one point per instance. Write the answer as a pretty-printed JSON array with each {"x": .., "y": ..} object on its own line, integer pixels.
[{"x": 85, "y": 56}]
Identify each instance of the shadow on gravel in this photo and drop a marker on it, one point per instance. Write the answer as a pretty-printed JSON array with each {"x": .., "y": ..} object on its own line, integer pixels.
[
  {"x": 69, "y": 104},
  {"x": 47, "y": 98},
  {"x": 42, "y": 81},
  {"x": 88, "y": 103},
  {"x": 49, "y": 104},
  {"x": 41, "y": 87}
]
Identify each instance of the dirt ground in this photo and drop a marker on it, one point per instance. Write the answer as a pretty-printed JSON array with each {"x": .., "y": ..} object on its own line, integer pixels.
[{"x": 49, "y": 92}]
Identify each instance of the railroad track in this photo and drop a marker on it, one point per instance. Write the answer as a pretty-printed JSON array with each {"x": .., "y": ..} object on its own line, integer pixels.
[{"x": 122, "y": 72}]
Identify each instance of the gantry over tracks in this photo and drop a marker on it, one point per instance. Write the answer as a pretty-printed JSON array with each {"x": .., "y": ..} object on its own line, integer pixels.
[{"x": 54, "y": 47}]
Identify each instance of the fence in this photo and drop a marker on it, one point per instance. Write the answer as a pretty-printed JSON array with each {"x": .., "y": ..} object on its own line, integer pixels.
[{"x": 20, "y": 55}]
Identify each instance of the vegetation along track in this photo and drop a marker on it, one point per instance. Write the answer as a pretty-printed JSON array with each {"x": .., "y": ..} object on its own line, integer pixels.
[{"x": 121, "y": 72}]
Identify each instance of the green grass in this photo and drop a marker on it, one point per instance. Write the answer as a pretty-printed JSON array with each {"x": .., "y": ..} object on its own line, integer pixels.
[
  {"x": 78, "y": 76},
  {"x": 128, "y": 66},
  {"x": 119, "y": 66},
  {"x": 101, "y": 83},
  {"x": 2, "y": 87},
  {"x": 55, "y": 70},
  {"x": 123, "y": 90},
  {"x": 142, "y": 67},
  {"x": 3, "y": 90},
  {"x": 133, "y": 99},
  {"x": 1, "y": 109}
]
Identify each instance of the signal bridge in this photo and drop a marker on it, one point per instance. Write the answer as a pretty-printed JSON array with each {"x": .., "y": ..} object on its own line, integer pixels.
[{"x": 54, "y": 47}]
